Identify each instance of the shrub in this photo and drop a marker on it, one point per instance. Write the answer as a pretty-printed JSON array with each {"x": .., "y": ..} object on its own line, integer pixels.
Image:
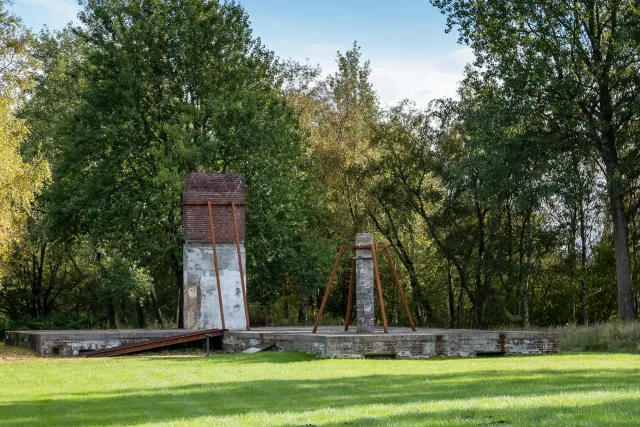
[{"x": 613, "y": 337}]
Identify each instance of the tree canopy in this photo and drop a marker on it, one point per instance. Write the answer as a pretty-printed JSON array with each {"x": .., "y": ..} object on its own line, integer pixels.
[{"x": 513, "y": 203}]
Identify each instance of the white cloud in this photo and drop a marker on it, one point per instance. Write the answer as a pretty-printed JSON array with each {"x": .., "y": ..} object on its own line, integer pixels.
[
  {"x": 393, "y": 77},
  {"x": 420, "y": 80}
]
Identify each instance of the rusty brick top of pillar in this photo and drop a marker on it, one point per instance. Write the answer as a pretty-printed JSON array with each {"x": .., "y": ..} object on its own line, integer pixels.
[{"x": 216, "y": 188}]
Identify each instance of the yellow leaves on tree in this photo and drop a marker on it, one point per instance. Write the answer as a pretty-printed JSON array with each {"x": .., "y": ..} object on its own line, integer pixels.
[{"x": 19, "y": 180}]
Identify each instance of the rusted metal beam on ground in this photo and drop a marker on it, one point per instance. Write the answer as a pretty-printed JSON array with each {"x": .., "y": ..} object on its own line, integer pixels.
[
  {"x": 326, "y": 293},
  {"x": 153, "y": 344},
  {"x": 244, "y": 289},
  {"x": 215, "y": 263}
]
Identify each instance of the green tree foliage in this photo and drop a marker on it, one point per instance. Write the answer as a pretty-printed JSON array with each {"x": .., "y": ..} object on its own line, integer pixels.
[
  {"x": 149, "y": 91},
  {"x": 578, "y": 62},
  {"x": 513, "y": 204}
]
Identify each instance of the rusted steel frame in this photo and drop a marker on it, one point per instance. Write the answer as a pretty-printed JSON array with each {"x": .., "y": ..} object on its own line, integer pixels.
[
  {"x": 204, "y": 203},
  {"x": 379, "y": 287},
  {"x": 215, "y": 262},
  {"x": 326, "y": 293},
  {"x": 397, "y": 280},
  {"x": 157, "y": 343},
  {"x": 365, "y": 246},
  {"x": 351, "y": 286},
  {"x": 244, "y": 290}
]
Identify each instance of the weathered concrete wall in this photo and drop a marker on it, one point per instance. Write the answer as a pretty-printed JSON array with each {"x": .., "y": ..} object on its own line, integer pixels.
[
  {"x": 202, "y": 308},
  {"x": 201, "y": 303},
  {"x": 410, "y": 345},
  {"x": 330, "y": 343},
  {"x": 365, "y": 310},
  {"x": 76, "y": 342}
]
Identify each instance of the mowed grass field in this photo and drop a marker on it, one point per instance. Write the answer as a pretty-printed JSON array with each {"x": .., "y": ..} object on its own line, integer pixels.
[{"x": 291, "y": 389}]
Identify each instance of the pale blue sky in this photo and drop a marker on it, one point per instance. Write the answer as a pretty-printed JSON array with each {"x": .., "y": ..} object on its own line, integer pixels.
[{"x": 411, "y": 56}]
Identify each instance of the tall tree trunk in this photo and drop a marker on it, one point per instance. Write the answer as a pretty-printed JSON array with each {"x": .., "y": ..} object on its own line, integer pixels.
[
  {"x": 460, "y": 304},
  {"x": 452, "y": 307},
  {"x": 480, "y": 287},
  {"x": 615, "y": 188},
  {"x": 302, "y": 307},
  {"x": 525, "y": 294},
  {"x": 111, "y": 314},
  {"x": 156, "y": 306},
  {"x": 583, "y": 265},
  {"x": 523, "y": 245},
  {"x": 626, "y": 303},
  {"x": 140, "y": 315},
  {"x": 634, "y": 271},
  {"x": 177, "y": 269},
  {"x": 572, "y": 260}
]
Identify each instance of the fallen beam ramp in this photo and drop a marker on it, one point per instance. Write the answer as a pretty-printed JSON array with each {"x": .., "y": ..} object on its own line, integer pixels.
[{"x": 155, "y": 344}]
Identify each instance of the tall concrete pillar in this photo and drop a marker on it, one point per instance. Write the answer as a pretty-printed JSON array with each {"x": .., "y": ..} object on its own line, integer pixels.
[
  {"x": 201, "y": 303},
  {"x": 364, "y": 284}
]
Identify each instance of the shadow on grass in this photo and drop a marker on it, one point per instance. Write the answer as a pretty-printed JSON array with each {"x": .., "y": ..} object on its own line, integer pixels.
[{"x": 273, "y": 397}]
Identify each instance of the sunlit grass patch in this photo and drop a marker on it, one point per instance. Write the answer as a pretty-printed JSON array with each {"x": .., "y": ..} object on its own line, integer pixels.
[{"x": 292, "y": 389}]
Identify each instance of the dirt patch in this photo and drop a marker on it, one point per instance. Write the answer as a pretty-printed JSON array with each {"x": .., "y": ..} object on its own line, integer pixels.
[{"x": 8, "y": 353}]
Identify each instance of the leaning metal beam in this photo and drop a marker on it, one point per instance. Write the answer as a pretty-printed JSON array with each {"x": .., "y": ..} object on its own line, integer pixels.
[
  {"x": 397, "y": 280},
  {"x": 350, "y": 299},
  {"x": 326, "y": 294},
  {"x": 379, "y": 287},
  {"x": 153, "y": 344},
  {"x": 215, "y": 263},
  {"x": 244, "y": 289}
]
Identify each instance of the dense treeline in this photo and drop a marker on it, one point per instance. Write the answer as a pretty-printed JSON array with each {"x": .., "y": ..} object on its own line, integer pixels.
[{"x": 515, "y": 203}]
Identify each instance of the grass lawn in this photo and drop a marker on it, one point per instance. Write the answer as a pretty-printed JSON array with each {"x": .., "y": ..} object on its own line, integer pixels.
[{"x": 291, "y": 389}]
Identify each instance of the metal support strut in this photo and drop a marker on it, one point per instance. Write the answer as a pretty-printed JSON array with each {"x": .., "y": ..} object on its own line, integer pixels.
[
  {"x": 374, "y": 248},
  {"x": 215, "y": 254}
]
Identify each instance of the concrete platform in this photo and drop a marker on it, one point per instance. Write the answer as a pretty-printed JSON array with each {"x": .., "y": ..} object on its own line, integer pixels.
[
  {"x": 334, "y": 342},
  {"x": 328, "y": 342}
]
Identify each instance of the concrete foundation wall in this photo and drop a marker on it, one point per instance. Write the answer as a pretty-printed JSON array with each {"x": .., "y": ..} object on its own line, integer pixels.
[
  {"x": 331, "y": 343},
  {"x": 74, "y": 343},
  {"x": 201, "y": 305},
  {"x": 407, "y": 346}
]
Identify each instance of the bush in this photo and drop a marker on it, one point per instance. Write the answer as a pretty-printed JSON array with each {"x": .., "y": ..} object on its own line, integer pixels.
[
  {"x": 52, "y": 323},
  {"x": 612, "y": 337}
]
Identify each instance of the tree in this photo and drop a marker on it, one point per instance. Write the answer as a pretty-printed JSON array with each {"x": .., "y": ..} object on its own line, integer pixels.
[
  {"x": 20, "y": 181},
  {"x": 578, "y": 61},
  {"x": 341, "y": 141},
  {"x": 156, "y": 89}
]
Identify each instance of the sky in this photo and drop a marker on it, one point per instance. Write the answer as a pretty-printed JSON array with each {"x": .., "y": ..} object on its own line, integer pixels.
[{"x": 411, "y": 56}]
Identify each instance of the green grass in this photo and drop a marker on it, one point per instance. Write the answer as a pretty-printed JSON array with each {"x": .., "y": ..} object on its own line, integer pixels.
[{"x": 291, "y": 389}]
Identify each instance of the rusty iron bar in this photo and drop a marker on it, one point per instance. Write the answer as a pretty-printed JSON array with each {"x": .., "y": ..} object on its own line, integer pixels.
[
  {"x": 350, "y": 299},
  {"x": 379, "y": 287},
  {"x": 326, "y": 293},
  {"x": 157, "y": 343},
  {"x": 201, "y": 203},
  {"x": 397, "y": 280},
  {"x": 215, "y": 262},
  {"x": 244, "y": 290}
]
